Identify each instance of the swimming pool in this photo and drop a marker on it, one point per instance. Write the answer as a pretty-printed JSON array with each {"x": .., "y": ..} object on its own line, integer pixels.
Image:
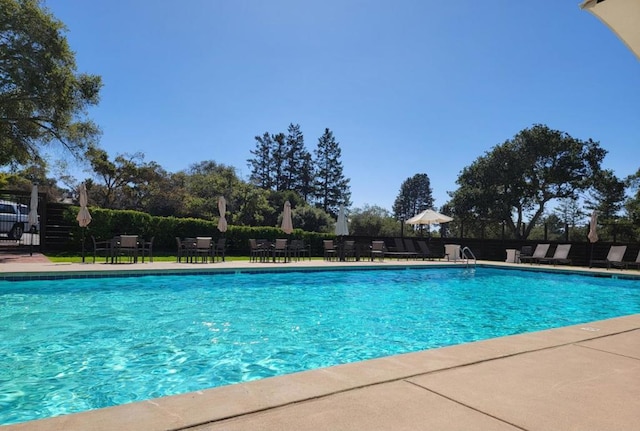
[{"x": 73, "y": 345}]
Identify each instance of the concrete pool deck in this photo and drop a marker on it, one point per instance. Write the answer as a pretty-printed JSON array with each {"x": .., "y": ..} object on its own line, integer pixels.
[{"x": 582, "y": 377}]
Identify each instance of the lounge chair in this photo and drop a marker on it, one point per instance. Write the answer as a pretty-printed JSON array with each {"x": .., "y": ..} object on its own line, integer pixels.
[
  {"x": 539, "y": 253},
  {"x": 614, "y": 257},
  {"x": 410, "y": 248},
  {"x": 377, "y": 250},
  {"x": 427, "y": 252},
  {"x": 559, "y": 256},
  {"x": 526, "y": 251},
  {"x": 399, "y": 250},
  {"x": 635, "y": 264}
]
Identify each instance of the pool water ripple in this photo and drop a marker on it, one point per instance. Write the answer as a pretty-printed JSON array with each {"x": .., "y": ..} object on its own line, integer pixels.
[{"x": 73, "y": 345}]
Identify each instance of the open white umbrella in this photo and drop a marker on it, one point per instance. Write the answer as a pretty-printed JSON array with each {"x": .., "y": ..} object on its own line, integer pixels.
[
  {"x": 287, "y": 223},
  {"x": 428, "y": 217},
  {"x": 222, "y": 208},
  {"x": 621, "y": 16},
  {"x": 342, "y": 227},
  {"x": 83, "y": 217}
]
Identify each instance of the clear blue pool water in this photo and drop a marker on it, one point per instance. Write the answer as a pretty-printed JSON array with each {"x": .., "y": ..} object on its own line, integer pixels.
[{"x": 79, "y": 344}]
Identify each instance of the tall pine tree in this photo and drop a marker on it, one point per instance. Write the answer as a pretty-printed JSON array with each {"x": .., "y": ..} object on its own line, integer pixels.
[
  {"x": 296, "y": 154},
  {"x": 262, "y": 162},
  {"x": 331, "y": 186}
]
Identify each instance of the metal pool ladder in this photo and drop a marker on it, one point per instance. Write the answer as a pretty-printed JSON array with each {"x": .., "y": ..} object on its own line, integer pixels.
[{"x": 468, "y": 254}]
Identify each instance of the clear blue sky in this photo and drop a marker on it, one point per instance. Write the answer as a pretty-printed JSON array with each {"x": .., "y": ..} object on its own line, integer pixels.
[{"x": 407, "y": 86}]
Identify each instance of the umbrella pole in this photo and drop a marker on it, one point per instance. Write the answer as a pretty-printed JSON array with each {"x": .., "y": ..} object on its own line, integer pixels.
[{"x": 83, "y": 233}]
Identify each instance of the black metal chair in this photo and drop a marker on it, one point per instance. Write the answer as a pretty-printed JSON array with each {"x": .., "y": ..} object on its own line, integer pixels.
[
  {"x": 219, "y": 248},
  {"x": 101, "y": 247},
  {"x": 330, "y": 251}
]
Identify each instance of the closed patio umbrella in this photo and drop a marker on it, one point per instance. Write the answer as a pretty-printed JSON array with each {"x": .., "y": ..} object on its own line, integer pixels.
[
  {"x": 593, "y": 232},
  {"x": 32, "y": 219},
  {"x": 621, "y": 16},
  {"x": 287, "y": 223},
  {"x": 222, "y": 208},
  {"x": 342, "y": 227},
  {"x": 83, "y": 217}
]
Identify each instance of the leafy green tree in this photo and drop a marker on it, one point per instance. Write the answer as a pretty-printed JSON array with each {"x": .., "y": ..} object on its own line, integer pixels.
[
  {"x": 373, "y": 221},
  {"x": 251, "y": 206},
  {"x": 261, "y": 164},
  {"x": 42, "y": 97},
  {"x": 331, "y": 186},
  {"x": 415, "y": 196},
  {"x": 632, "y": 204},
  {"x": 115, "y": 175},
  {"x": 521, "y": 176},
  {"x": 312, "y": 219},
  {"x": 205, "y": 182}
]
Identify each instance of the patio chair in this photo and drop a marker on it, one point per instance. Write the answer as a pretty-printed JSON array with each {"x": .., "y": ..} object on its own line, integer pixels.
[
  {"x": 349, "y": 250},
  {"x": 539, "y": 253},
  {"x": 203, "y": 249},
  {"x": 377, "y": 250},
  {"x": 219, "y": 248},
  {"x": 329, "y": 249},
  {"x": 146, "y": 248},
  {"x": 559, "y": 256},
  {"x": 101, "y": 247},
  {"x": 280, "y": 249},
  {"x": 299, "y": 250},
  {"x": 256, "y": 251},
  {"x": 125, "y": 246},
  {"x": 614, "y": 257}
]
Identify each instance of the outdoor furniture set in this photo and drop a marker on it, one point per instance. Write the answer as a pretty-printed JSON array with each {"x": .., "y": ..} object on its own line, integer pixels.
[
  {"x": 262, "y": 250},
  {"x": 200, "y": 249},
  {"x": 116, "y": 249}
]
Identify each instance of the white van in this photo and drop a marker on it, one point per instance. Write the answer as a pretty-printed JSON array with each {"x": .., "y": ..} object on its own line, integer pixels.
[{"x": 13, "y": 219}]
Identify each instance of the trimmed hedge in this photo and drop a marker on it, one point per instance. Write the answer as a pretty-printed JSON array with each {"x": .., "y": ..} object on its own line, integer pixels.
[{"x": 108, "y": 223}]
